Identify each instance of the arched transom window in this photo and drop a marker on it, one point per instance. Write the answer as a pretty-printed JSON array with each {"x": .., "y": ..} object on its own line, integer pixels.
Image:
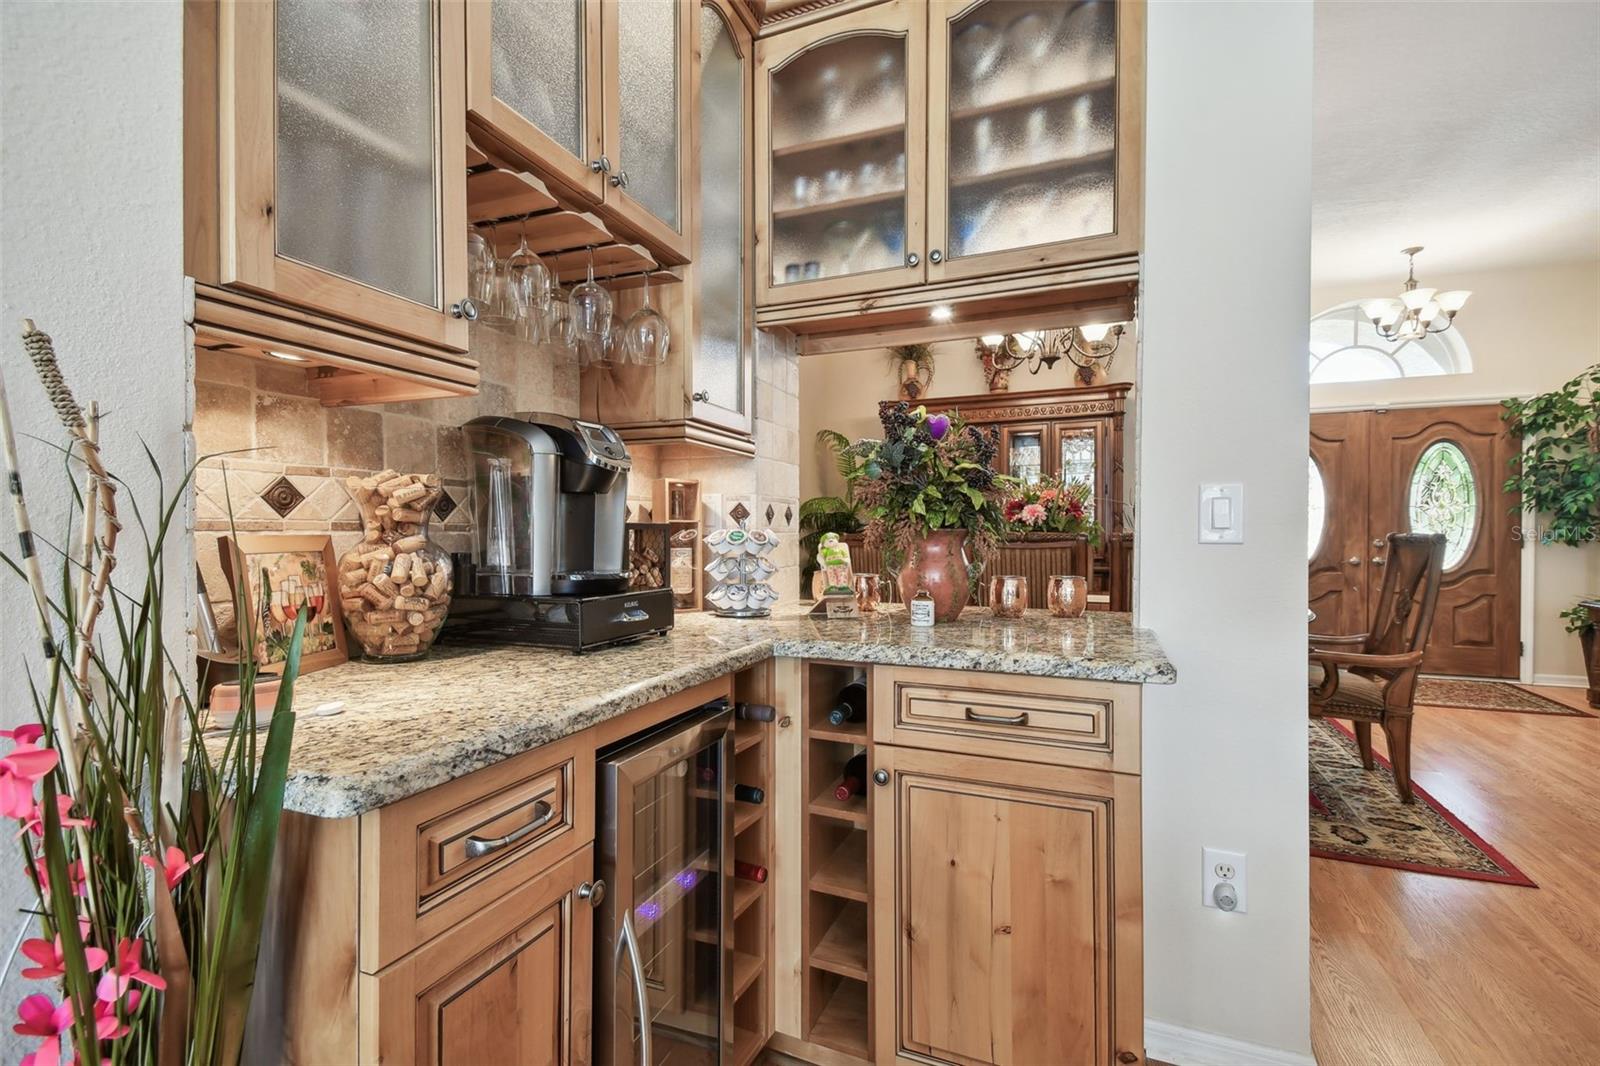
[{"x": 1346, "y": 347}]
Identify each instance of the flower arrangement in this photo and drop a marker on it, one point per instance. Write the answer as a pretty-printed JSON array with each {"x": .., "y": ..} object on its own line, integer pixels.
[
  {"x": 1051, "y": 505},
  {"x": 149, "y": 852},
  {"x": 929, "y": 473}
]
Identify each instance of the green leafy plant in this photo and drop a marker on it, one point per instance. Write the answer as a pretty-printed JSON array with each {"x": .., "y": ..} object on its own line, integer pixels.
[
  {"x": 1558, "y": 471},
  {"x": 929, "y": 473},
  {"x": 1577, "y": 619}
]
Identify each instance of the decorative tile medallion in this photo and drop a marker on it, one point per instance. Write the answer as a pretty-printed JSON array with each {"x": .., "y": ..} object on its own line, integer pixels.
[
  {"x": 445, "y": 505},
  {"x": 772, "y": 512},
  {"x": 282, "y": 496},
  {"x": 739, "y": 513},
  {"x": 788, "y": 516}
]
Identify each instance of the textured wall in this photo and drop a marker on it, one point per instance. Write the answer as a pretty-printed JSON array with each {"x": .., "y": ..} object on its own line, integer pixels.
[{"x": 92, "y": 229}]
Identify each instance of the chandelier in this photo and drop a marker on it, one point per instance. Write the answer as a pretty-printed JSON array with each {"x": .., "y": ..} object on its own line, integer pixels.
[
  {"x": 1086, "y": 347},
  {"x": 1418, "y": 312}
]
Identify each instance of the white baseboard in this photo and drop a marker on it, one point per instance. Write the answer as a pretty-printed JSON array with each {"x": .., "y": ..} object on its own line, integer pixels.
[
  {"x": 1195, "y": 1047},
  {"x": 1564, "y": 680}
]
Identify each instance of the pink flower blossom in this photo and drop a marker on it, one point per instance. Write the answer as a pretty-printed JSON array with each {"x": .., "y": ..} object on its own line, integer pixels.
[
  {"x": 175, "y": 866},
  {"x": 51, "y": 958},
  {"x": 35, "y": 820},
  {"x": 21, "y": 769},
  {"x": 50, "y": 1021},
  {"x": 129, "y": 968},
  {"x": 107, "y": 1026},
  {"x": 1033, "y": 514},
  {"x": 25, "y": 736},
  {"x": 75, "y": 875}
]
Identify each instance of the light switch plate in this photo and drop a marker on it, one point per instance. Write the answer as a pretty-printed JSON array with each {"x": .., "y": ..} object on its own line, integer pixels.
[{"x": 1222, "y": 513}]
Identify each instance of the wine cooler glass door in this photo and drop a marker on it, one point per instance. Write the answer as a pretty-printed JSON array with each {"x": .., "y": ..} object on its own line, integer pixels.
[{"x": 665, "y": 938}]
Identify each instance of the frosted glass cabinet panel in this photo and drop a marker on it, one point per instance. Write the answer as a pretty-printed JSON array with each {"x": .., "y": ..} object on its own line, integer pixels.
[
  {"x": 840, "y": 128},
  {"x": 1024, "y": 145},
  {"x": 648, "y": 79},
  {"x": 356, "y": 191},
  {"x": 538, "y": 67},
  {"x": 722, "y": 352}
]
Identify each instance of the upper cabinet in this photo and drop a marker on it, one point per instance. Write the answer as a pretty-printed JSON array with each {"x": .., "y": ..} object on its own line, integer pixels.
[
  {"x": 909, "y": 147},
  {"x": 324, "y": 191},
  {"x": 840, "y": 152},
  {"x": 592, "y": 95}
]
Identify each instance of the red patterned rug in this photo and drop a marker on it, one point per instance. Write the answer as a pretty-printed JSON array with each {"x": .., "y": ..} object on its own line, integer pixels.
[
  {"x": 1491, "y": 696},
  {"x": 1357, "y": 816}
]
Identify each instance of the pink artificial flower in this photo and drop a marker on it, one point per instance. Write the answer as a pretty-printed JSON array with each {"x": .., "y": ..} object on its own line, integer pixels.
[
  {"x": 51, "y": 959},
  {"x": 1033, "y": 514},
  {"x": 20, "y": 770},
  {"x": 1047, "y": 495},
  {"x": 51, "y": 1021},
  {"x": 35, "y": 820},
  {"x": 129, "y": 968},
  {"x": 25, "y": 736},
  {"x": 175, "y": 866},
  {"x": 107, "y": 1026},
  {"x": 75, "y": 876}
]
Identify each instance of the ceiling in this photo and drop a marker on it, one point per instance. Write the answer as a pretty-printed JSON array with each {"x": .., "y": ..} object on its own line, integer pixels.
[{"x": 1470, "y": 127}]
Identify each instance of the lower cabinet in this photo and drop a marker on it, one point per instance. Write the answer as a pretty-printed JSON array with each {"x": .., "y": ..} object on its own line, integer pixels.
[
  {"x": 511, "y": 984},
  {"x": 1007, "y": 911}
]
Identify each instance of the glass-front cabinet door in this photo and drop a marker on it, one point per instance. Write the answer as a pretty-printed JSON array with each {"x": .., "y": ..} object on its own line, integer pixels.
[
  {"x": 335, "y": 193},
  {"x": 647, "y": 56},
  {"x": 840, "y": 154},
  {"x": 533, "y": 82},
  {"x": 1080, "y": 456},
  {"x": 723, "y": 359},
  {"x": 1033, "y": 135},
  {"x": 1023, "y": 449}
]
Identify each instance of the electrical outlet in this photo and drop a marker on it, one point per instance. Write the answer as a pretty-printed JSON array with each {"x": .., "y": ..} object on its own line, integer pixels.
[{"x": 1224, "y": 870}]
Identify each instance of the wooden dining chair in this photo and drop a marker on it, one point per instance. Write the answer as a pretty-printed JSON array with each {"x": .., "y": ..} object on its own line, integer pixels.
[{"x": 1375, "y": 680}]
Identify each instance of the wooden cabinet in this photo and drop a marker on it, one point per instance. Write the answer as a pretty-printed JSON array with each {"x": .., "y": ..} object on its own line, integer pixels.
[
  {"x": 1008, "y": 903},
  {"x": 705, "y": 392},
  {"x": 919, "y": 148},
  {"x": 511, "y": 984},
  {"x": 594, "y": 96},
  {"x": 324, "y": 189}
]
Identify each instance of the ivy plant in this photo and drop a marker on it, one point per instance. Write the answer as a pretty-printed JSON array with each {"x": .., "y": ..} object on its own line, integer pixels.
[{"x": 1558, "y": 472}]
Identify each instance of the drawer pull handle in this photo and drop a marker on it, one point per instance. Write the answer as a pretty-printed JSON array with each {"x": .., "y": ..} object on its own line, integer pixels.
[
  {"x": 997, "y": 719},
  {"x": 542, "y": 813}
]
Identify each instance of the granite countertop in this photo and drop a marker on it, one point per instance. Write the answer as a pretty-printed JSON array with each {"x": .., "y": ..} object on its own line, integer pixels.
[{"x": 407, "y": 728}]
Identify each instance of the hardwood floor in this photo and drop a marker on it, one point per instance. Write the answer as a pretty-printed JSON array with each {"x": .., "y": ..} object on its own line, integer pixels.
[{"x": 1413, "y": 968}]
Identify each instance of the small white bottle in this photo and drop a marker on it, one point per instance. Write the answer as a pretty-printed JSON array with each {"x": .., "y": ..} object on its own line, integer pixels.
[{"x": 921, "y": 608}]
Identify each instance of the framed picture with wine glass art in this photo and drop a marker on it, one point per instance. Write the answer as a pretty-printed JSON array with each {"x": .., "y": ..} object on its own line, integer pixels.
[{"x": 280, "y": 573}]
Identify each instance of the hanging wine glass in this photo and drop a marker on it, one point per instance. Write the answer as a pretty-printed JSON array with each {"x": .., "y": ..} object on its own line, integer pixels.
[
  {"x": 646, "y": 335},
  {"x": 591, "y": 310},
  {"x": 529, "y": 282},
  {"x": 500, "y": 311},
  {"x": 480, "y": 270},
  {"x": 558, "y": 328}
]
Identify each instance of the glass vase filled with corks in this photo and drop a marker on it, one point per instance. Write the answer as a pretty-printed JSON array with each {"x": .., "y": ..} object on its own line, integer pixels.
[{"x": 395, "y": 583}]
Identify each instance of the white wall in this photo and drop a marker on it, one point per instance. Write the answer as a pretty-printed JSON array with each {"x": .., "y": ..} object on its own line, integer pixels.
[
  {"x": 91, "y": 233},
  {"x": 1530, "y": 329},
  {"x": 1227, "y": 224}
]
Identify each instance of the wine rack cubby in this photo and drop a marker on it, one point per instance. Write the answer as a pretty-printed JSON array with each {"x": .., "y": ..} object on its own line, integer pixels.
[{"x": 752, "y": 900}]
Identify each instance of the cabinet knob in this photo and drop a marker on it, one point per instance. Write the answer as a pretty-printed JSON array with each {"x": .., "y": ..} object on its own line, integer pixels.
[
  {"x": 1378, "y": 560},
  {"x": 936, "y": 256},
  {"x": 1354, "y": 560},
  {"x": 1127, "y": 1056},
  {"x": 701, "y": 397},
  {"x": 467, "y": 309},
  {"x": 593, "y": 891},
  {"x": 913, "y": 259},
  {"x": 619, "y": 180},
  {"x": 881, "y": 776},
  {"x": 601, "y": 165}
]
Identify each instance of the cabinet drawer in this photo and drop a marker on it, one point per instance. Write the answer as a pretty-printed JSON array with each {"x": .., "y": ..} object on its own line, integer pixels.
[
  {"x": 1093, "y": 724},
  {"x": 432, "y": 860}
]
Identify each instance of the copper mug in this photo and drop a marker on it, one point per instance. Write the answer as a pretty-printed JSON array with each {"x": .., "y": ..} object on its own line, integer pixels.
[
  {"x": 868, "y": 595},
  {"x": 1008, "y": 595},
  {"x": 1067, "y": 595}
]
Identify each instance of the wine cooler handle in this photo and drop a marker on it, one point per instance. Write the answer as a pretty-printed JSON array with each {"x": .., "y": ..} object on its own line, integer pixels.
[
  {"x": 631, "y": 942},
  {"x": 542, "y": 813}
]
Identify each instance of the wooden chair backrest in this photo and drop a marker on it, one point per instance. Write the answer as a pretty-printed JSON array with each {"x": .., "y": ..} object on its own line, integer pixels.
[{"x": 1410, "y": 590}]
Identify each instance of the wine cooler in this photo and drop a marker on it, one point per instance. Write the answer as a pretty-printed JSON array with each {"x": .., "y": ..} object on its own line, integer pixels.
[{"x": 664, "y": 957}]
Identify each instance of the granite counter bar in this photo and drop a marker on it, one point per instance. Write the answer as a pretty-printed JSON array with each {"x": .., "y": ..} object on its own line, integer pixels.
[{"x": 407, "y": 728}]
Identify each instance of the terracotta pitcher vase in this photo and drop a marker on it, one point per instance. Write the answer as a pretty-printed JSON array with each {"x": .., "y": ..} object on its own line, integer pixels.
[{"x": 938, "y": 563}]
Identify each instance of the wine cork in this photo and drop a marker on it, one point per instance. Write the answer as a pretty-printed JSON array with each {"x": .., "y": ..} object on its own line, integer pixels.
[
  {"x": 351, "y": 606},
  {"x": 395, "y": 484},
  {"x": 411, "y": 603},
  {"x": 410, "y": 544},
  {"x": 401, "y": 569},
  {"x": 410, "y": 492},
  {"x": 417, "y": 618},
  {"x": 373, "y": 595},
  {"x": 407, "y": 516},
  {"x": 386, "y": 584},
  {"x": 439, "y": 584}
]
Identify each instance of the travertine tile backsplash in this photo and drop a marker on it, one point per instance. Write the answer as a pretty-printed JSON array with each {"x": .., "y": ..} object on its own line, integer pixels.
[{"x": 276, "y": 431}]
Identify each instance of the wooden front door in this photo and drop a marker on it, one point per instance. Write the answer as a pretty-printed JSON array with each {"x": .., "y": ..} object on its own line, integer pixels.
[
  {"x": 1015, "y": 897},
  {"x": 1427, "y": 469}
]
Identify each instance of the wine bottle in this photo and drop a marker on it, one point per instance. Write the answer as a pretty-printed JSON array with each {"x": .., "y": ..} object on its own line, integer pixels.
[
  {"x": 749, "y": 794},
  {"x": 755, "y": 712},
  {"x": 852, "y": 704},
  {"x": 853, "y": 781},
  {"x": 749, "y": 871},
  {"x": 708, "y": 774}
]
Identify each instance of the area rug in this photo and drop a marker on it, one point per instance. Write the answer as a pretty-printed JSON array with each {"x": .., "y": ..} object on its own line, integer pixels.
[
  {"x": 1490, "y": 696},
  {"x": 1357, "y": 816}
]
